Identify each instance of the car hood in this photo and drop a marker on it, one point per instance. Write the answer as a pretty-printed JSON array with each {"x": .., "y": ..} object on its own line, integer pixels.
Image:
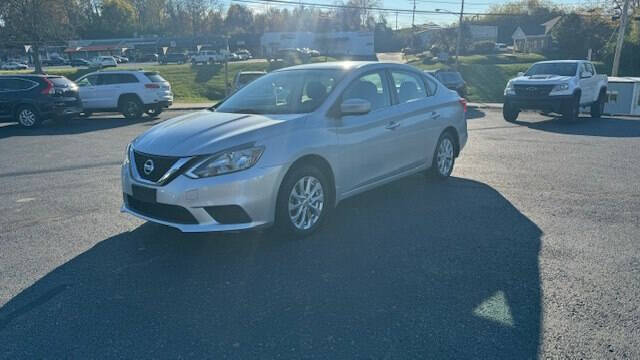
[
  {"x": 207, "y": 132},
  {"x": 541, "y": 79}
]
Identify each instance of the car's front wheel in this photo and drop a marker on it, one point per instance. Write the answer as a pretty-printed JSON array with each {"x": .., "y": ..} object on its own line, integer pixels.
[
  {"x": 304, "y": 201},
  {"x": 444, "y": 157},
  {"x": 28, "y": 116},
  {"x": 572, "y": 108},
  {"x": 509, "y": 112}
]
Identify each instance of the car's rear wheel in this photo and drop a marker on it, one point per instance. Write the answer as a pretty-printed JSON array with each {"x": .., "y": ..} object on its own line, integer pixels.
[
  {"x": 304, "y": 201},
  {"x": 597, "y": 108},
  {"x": 131, "y": 108},
  {"x": 154, "y": 111},
  {"x": 28, "y": 116},
  {"x": 509, "y": 112},
  {"x": 444, "y": 157}
]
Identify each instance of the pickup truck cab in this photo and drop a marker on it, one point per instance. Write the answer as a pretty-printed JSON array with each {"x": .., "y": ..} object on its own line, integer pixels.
[
  {"x": 207, "y": 57},
  {"x": 556, "y": 87}
]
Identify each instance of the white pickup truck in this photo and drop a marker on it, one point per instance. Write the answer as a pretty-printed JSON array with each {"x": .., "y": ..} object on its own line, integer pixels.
[
  {"x": 207, "y": 57},
  {"x": 556, "y": 87}
]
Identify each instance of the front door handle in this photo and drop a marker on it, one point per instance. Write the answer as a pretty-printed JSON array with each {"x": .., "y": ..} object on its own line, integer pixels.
[
  {"x": 392, "y": 125},
  {"x": 435, "y": 115}
]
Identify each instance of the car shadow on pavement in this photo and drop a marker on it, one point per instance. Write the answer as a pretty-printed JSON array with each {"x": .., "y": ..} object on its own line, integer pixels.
[
  {"x": 410, "y": 270},
  {"x": 585, "y": 125},
  {"x": 474, "y": 113},
  {"x": 69, "y": 127}
]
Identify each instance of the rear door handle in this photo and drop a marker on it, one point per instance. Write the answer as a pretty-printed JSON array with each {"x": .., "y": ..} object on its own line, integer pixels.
[
  {"x": 435, "y": 115},
  {"x": 392, "y": 125}
]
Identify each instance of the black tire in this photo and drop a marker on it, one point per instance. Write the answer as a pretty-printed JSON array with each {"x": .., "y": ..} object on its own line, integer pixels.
[
  {"x": 154, "y": 111},
  {"x": 509, "y": 113},
  {"x": 28, "y": 117},
  {"x": 284, "y": 224},
  {"x": 597, "y": 108},
  {"x": 131, "y": 107},
  {"x": 571, "y": 110},
  {"x": 438, "y": 170}
]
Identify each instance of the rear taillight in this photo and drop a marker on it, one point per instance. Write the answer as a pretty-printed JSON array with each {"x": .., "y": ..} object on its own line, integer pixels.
[
  {"x": 152, "y": 86},
  {"x": 48, "y": 89},
  {"x": 463, "y": 102}
]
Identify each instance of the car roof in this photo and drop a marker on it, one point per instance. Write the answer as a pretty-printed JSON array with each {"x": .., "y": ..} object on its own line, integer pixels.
[
  {"x": 252, "y": 72},
  {"x": 346, "y": 65},
  {"x": 37, "y": 76},
  {"x": 560, "y": 61}
]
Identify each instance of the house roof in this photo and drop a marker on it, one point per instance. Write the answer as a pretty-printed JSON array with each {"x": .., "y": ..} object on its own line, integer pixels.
[
  {"x": 533, "y": 29},
  {"x": 550, "y": 24}
]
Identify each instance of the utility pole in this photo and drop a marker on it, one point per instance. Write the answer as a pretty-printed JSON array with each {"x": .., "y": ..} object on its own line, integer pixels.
[
  {"x": 460, "y": 35},
  {"x": 396, "y": 21},
  {"x": 621, "y": 31},
  {"x": 413, "y": 17}
]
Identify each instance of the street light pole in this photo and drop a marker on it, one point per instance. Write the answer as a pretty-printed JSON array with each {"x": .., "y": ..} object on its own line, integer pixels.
[
  {"x": 620, "y": 42},
  {"x": 460, "y": 35}
]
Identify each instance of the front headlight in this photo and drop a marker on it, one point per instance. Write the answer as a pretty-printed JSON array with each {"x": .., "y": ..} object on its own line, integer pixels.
[
  {"x": 509, "y": 89},
  {"x": 561, "y": 87},
  {"x": 226, "y": 162}
]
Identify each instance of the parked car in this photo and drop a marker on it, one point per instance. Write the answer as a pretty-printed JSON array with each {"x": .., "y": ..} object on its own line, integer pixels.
[
  {"x": 242, "y": 78},
  {"x": 289, "y": 146},
  {"x": 14, "y": 66},
  {"x": 104, "y": 62},
  {"x": 451, "y": 79},
  {"x": 177, "y": 58},
  {"x": 121, "y": 59},
  {"x": 54, "y": 61},
  {"x": 207, "y": 57},
  {"x": 244, "y": 55},
  {"x": 501, "y": 47},
  {"x": 130, "y": 92},
  {"x": 79, "y": 62},
  {"x": 147, "y": 58},
  {"x": 31, "y": 99},
  {"x": 561, "y": 87}
]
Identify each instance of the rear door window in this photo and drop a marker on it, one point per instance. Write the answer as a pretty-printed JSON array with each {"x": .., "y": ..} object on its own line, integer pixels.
[
  {"x": 409, "y": 87},
  {"x": 18, "y": 84}
]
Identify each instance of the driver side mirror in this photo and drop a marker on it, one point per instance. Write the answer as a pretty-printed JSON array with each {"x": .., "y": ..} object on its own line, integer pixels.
[{"x": 355, "y": 107}]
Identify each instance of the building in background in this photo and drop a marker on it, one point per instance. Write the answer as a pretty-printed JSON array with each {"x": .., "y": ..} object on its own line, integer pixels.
[
  {"x": 484, "y": 33},
  {"x": 534, "y": 38},
  {"x": 355, "y": 45}
]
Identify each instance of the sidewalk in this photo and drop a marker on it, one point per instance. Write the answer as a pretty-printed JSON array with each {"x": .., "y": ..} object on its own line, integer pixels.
[{"x": 200, "y": 106}]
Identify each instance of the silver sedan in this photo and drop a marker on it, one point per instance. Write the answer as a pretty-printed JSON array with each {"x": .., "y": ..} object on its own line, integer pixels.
[{"x": 288, "y": 147}]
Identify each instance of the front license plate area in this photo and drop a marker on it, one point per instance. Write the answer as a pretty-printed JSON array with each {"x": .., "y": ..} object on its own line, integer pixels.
[{"x": 144, "y": 193}]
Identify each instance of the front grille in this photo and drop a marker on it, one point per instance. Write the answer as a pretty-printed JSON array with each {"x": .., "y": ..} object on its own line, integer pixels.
[
  {"x": 533, "y": 90},
  {"x": 164, "y": 212},
  {"x": 161, "y": 164}
]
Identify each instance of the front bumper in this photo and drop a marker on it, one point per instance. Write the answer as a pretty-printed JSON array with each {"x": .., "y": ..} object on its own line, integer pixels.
[
  {"x": 254, "y": 190},
  {"x": 549, "y": 103}
]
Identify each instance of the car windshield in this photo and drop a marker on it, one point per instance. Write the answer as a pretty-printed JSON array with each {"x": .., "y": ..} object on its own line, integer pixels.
[
  {"x": 284, "y": 92},
  {"x": 244, "y": 79},
  {"x": 561, "y": 69}
]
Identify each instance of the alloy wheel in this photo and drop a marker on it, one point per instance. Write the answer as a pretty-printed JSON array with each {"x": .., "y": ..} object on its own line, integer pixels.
[
  {"x": 27, "y": 117},
  {"x": 445, "y": 156},
  {"x": 306, "y": 202}
]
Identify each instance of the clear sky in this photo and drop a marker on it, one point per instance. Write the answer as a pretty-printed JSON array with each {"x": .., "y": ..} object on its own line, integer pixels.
[{"x": 404, "y": 19}]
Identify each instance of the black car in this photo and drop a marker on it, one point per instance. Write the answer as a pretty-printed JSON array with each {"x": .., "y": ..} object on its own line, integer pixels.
[
  {"x": 54, "y": 62},
  {"x": 147, "y": 58},
  {"x": 174, "y": 58},
  {"x": 452, "y": 80},
  {"x": 30, "y": 99},
  {"x": 79, "y": 62}
]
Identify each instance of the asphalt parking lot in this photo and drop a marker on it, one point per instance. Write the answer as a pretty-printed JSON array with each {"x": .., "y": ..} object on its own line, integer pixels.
[{"x": 531, "y": 249}]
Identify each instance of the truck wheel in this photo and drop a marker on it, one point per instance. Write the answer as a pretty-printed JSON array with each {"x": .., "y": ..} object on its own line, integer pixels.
[
  {"x": 509, "y": 112},
  {"x": 572, "y": 108},
  {"x": 154, "y": 111},
  {"x": 597, "y": 108}
]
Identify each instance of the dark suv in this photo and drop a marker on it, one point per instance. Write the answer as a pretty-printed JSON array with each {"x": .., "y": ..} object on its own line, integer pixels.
[
  {"x": 30, "y": 99},
  {"x": 174, "y": 58}
]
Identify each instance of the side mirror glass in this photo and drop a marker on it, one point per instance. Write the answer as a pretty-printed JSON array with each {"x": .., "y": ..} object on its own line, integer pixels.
[{"x": 355, "y": 107}]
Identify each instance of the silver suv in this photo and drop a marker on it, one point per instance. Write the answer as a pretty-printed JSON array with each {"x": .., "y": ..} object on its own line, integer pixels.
[{"x": 289, "y": 146}]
